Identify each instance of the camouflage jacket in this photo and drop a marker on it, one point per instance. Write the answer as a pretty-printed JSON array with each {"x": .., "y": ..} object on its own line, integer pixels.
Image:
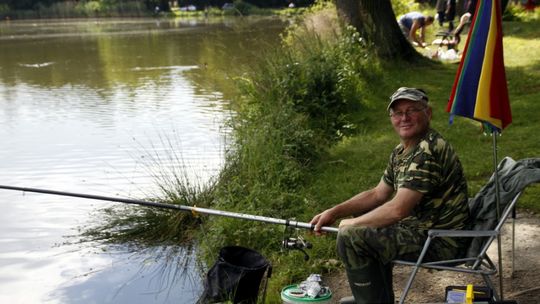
[{"x": 433, "y": 169}]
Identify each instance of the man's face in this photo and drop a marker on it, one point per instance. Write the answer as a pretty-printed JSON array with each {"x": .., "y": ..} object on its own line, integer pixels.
[{"x": 410, "y": 119}]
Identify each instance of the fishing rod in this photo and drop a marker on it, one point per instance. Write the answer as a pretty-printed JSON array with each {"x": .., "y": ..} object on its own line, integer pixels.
[{"x": 194, "y": 210}]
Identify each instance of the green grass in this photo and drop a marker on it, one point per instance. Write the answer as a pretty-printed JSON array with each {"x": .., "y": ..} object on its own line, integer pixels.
[
  {"x": 360, "y": 160},
  {"x": 519, "y": 140}
]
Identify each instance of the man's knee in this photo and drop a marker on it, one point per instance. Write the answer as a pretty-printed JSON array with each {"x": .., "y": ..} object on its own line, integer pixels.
[
  {"x": 346, "y": 237},
  {"x": 343, "y": 242},
  {"x": 355, "y": 245},
  {"x": 349, "y": 241}
]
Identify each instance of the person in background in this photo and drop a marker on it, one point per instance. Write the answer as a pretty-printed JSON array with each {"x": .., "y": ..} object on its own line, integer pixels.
[
  {"x": 465, "y": 19},
  {"x": 422, "y": 188},
  {"x": 413, "y": 22},
  {"x": 450, "y": 14},
  {"x": 441, "y": 10}
]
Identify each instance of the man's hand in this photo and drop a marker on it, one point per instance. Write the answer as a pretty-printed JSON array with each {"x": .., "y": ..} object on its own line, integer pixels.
[
  {"x": 325, "y": 218},
  {"x": 346, "y": 222}
]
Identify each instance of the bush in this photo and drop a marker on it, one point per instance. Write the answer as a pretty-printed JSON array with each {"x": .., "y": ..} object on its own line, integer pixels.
[
  {"x": 401, "y": 7},
  {"x": 244, "y": 8},
  {"x": 517, "y": 12},
  {"x": 4, "y": 8},
  {"x": 297, "y": 104},
  {"x": 90, "y": 8}
]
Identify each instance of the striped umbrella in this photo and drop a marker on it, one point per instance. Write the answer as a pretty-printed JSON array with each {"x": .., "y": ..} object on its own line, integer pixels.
[{"x": 480, "y": 91}]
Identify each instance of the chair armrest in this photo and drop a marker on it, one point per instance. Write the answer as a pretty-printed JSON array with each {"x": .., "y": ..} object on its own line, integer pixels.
[{"x": 460, "y": 233}]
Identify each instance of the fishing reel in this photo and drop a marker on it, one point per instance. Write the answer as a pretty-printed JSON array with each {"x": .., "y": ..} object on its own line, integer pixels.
[{"x": 296, "y": 242}]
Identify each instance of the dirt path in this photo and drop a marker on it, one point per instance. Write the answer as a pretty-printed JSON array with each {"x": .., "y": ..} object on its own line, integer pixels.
[{"x": 429, "y": 286}]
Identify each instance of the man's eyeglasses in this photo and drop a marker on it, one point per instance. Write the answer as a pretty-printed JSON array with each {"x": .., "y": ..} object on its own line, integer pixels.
[{"x": 409, "y": 112}]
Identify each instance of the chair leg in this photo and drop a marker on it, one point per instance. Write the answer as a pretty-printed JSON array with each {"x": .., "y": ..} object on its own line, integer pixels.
[
  {"x": 490, "y": 285},
  {"x": 414, "y": 271},
  {"x": 408, "y": 285},
  {"x": 513, "y": 240}
]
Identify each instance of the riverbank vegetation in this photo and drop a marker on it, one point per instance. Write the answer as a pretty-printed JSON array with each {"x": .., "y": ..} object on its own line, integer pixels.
[{"x": 310, "y": 130}]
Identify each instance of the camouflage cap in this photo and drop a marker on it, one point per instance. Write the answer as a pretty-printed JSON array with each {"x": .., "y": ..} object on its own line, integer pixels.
[{"x": 408, "y": 94}]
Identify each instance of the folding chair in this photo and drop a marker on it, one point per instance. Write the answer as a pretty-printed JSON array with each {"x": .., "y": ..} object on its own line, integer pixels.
[
  {"x": 482, "y": 232},
  {"x": 446, "y": 40},
  {"x": 479, "y": 264}
]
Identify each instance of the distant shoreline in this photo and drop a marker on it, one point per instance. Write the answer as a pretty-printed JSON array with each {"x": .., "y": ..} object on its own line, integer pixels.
[{"x": 69, "y": 11}]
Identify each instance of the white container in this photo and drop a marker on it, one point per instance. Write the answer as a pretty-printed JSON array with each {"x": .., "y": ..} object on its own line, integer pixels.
[{"x": 294, "y": 295}]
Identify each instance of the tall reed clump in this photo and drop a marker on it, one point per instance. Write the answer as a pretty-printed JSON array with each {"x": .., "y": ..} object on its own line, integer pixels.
[
  {"x": 148, "y": 227},
  {"x": 301, "y": 100}
]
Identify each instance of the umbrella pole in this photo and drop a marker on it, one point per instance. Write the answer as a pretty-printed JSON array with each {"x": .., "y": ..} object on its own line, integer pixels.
[{"x": 495, "y": 133}]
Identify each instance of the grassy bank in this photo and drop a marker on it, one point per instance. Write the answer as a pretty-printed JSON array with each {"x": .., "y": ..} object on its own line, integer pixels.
[{"x": 277, "y": 117}]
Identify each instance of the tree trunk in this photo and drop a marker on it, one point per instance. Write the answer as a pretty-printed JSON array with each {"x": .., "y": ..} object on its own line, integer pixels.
[{"x": 376, "y": 23}]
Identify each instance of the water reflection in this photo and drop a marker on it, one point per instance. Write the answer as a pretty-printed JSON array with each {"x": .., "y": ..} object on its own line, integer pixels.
[
  {"x": 82, "y": 106},
  {"x": 151, "y": 282}
]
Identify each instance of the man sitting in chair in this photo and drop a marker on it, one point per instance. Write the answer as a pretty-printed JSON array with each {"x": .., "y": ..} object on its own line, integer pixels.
[
  {"x": 422, "y": 188},
  {"x": 465, "y": 19}
]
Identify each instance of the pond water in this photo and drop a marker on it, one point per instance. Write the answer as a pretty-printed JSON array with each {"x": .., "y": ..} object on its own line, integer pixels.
[{"x": 97, "y": 106}]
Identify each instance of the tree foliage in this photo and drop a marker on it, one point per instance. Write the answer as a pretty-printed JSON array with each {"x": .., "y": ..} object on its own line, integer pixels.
[{"x": 151, "y": 4}]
